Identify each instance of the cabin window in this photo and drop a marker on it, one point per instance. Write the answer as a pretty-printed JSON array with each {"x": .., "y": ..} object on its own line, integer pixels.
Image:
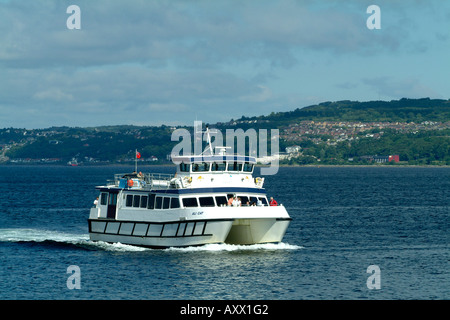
[
  {"x": 166, "y": 203},
  {"x": 103, "y": 198},
  {"x": 144, "y": 200},
  {"x": 129, "y": 200},
  {"x": 136, "y": 201},
  {"x": 253, "y": 200},
  {"x": 234, "y": 166},
  {"x": 248, "y": 167},
  {"x": 244, "y": 200},
  {"x": 190, "y": 202},
  {"x": 218, "y": 166},
  {"x": 174, "y": 203},
  {"x": 221, "y": 200},
  {"x": 200, "y": 167},
  {"x": 151, "y": 201},
  {"x": 264, "y": 201},
  {"x": 184, "y": 167},
  {"x": 158, "y": 203},
  {"x": 206, "y": 201}
]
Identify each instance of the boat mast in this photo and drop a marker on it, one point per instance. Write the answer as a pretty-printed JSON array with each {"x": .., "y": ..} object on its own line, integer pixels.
[
  {"x": 135, "y": 160},
  {"x": 208, "y": 139}
]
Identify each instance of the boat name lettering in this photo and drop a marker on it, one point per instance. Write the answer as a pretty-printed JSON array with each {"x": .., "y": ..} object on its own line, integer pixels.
[{"x": 197, "y": 213}]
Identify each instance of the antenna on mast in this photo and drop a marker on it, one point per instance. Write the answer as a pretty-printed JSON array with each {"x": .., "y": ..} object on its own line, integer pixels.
[{"x": 208, "y": 140}]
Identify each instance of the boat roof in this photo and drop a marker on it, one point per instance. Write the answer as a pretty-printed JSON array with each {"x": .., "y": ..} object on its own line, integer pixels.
[{"x": 214, "y": 158}]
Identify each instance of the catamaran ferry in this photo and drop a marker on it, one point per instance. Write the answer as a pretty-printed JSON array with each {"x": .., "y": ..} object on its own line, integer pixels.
[{"x": 211, "y": 199}]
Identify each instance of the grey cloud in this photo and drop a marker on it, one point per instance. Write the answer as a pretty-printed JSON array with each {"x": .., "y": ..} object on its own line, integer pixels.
[
  {"x": 131, "y": 93},
  {"x": 203, "y": 34},
  {"x": 166, "y": 60},
  {"x": 400, "y": 88}
]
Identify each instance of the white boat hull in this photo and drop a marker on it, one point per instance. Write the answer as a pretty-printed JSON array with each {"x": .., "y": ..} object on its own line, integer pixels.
[{"x": 244, "y": 228}]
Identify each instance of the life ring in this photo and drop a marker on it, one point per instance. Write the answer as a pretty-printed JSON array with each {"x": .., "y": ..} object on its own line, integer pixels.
[{"x": 130, "y": 183}]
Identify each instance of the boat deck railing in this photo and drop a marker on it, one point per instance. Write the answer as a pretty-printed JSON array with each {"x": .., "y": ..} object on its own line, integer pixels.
[{"x": 142, "y": 180}]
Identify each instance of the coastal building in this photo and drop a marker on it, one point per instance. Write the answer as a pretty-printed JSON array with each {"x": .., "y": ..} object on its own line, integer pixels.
[{"x": 382, "y": 159}]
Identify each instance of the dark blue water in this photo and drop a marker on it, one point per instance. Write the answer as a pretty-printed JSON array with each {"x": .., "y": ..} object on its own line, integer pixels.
[{"x": 344, "y": 220}]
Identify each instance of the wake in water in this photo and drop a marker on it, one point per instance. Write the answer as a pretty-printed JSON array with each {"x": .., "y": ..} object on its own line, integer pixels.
[
  {"x": 82, "y": 240},
  {"x": 61, "y": 238},
  {"x": 234, "y": 247},
  {"x": 37, "y": 235}
]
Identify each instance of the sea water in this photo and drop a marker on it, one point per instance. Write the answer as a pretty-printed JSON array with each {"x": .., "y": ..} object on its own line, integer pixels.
[{"x": 345, "y": 220}]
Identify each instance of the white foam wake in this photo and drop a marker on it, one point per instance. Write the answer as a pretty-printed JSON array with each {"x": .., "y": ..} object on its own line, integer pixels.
[
  {"x": 38, "y": 235},
  {"x": 234, "y": 247}
]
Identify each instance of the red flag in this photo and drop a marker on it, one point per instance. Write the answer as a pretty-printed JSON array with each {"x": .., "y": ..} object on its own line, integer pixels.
[{"x": 138, "y": 155}]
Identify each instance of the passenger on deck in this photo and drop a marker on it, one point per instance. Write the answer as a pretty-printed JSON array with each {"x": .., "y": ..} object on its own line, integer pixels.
[{"x": 273, "y": 202}]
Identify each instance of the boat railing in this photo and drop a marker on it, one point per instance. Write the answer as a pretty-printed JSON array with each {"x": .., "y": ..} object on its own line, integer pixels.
[{"x": 144, "y": 181}]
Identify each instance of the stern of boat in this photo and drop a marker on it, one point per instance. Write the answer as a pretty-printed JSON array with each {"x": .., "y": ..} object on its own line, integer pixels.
[{"x": 254, "y": 231}]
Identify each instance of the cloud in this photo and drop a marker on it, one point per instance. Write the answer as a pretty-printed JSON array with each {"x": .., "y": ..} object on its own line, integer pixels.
[
  {"x": 204, "y": 34},
  {"x": 172, "y": 60},
  {"x": 53, "y": 94},
  {"x": 129, "y": 93},
  {"x": 400, "y": 88}
]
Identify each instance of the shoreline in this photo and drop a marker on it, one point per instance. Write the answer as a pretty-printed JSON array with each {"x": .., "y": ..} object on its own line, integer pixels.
[
  {"x": 378, "y": 165},
  {"x": 258, "y": 165}
]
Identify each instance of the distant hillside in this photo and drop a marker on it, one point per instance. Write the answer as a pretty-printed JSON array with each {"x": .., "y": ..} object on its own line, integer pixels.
[
  {"x": 108, "y": 144},
  {"x": 330, "y": 132},
  {"x": 404, "y": 110}
]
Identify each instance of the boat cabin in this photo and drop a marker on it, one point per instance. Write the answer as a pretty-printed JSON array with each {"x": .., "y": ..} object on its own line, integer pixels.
[{"x": 214, "y": 164}]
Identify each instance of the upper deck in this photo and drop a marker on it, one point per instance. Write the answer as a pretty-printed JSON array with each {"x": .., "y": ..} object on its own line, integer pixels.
[
  {"x": 200, "y": 171},
  {"x": 233, "y": 164}
]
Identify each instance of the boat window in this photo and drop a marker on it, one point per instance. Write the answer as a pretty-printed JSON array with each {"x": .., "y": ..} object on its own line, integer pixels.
[
  {"x": 221, "y": 200},
  {"x": 253, "y": 201},
  {"x": 184, "y": 167},
  {"x": 166, "y": 203},
  {"x": 144, "y": 200},
  {"x": 151, "y": 201},
  {"x": 218, "y": 166},
  {"x": 158, "y": 203},
  {"x": 136, "y": 201},
  {"x": 129, "y": 200},
  {"x": 200, "y": 167},
  {"x": 234, "y": 166},
  {"x": 248, "y": 167},
  {"x": 190, "y": 202},
  {"x": 174, "y": 203},
  {"x": 263, "y": 200},
  {"x": 104, "y": 199},
  {"x": 244, "y": 200},
  {"x": 206, "y": 201}
]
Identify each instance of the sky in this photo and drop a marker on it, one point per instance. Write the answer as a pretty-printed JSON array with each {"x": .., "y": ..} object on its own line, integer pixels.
[{"x": 147, "y": 62}]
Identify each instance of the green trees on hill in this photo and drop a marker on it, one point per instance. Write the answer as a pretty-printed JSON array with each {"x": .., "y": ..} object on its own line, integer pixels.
[
  {"x": 423, "y": 148},
  {"x": 403, "y": 110},
  {"x": 118, "y": 143}
]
